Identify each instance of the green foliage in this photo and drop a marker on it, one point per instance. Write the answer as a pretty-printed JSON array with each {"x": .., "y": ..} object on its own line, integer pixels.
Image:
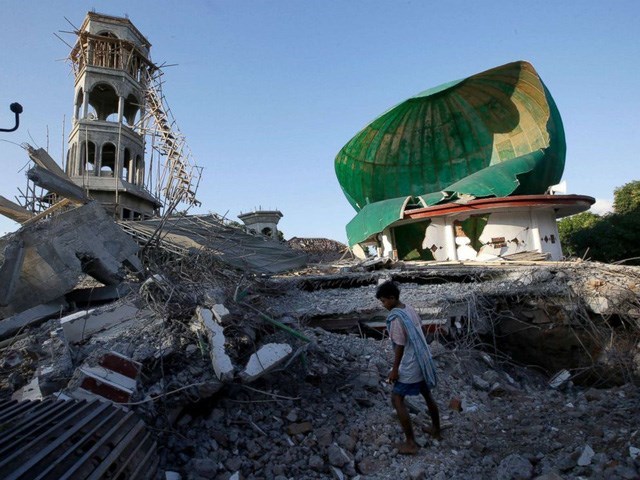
[
  {"x": 626, "y": 199},
  {"x": 607, "y": 238}
]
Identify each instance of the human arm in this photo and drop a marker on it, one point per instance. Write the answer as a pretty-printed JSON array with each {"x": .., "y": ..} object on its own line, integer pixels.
[{"x": 398, "y": 352}]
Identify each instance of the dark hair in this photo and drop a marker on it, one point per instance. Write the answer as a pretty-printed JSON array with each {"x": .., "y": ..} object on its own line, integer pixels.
[{"x": 388, "y": 290}]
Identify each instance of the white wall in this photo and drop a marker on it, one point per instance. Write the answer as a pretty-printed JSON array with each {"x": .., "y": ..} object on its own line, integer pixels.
[{"x": 522, "y": 230}]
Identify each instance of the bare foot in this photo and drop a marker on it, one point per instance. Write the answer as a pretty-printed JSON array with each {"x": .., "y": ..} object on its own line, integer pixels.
[
  {"x": 435, "y": 434},
  {"x": 406, "y": 448}
]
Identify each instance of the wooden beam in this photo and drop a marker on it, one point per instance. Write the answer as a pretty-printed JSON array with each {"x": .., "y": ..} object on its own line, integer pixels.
[
  {"x": 54, "y": 183},
  {"x": 14, "y": 211},
  {"x": 61, "y": 204}
]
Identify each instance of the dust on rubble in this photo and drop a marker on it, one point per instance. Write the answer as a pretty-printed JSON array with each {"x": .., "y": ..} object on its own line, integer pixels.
[{"x": 321, "y": 409}]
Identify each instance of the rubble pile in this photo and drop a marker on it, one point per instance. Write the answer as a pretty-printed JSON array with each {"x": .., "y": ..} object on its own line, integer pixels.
[
  {"x": 333, "y": 419},
  {"x": 241, "y": 375},
  {"x": 319, "y": 249}
]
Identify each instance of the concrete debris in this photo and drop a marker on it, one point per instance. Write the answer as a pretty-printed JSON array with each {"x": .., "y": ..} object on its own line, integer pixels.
[
  {"x": 81, "y": 325},
  {"x": 586, "y": 456},
  {"x": 227, "y": 370},
  {"x": 30, "y": 317},
  {"x": 214, "y": 333},
  {"x": 267, "y": 358},
  {"x": 221, "y": 313},
  {"x": 59, "y": 185},
  {"x": 559, "y": 379},
  {"x": 57, "y": 253},
  {"x": 319, "y": 249},
  {"x": 14, "y": 211}
]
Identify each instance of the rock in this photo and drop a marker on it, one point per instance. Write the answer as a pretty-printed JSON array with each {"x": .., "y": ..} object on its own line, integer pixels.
[
  {"x": 204, "y": 467},
  {"x": 586, "y": 456},
  {"x": 346, "y": 442},
  {"x": 337, "y": 456},
  {"x": 469, "y": 407},
  {"x": 417, "y": 472},
  {"x": 634, "y": 452},
  {"x": 298, "y": 428},
  {"x": 566, "y": 462},
  {"x": 481, "y": 384},
  {"x": 316, "y": 463},
  {"x": 324, "y": 436},
  {"x": 292, "y": 416},
  {"x": 626, "y": 472},
  {"x": 191, "y": 349},
  {"x": 233, "y": 464},
  {"x": 514, "y": 467},
  {"x": 549, "y": 476},
  {"x": 337, "y": 473},
  {"x": 367, "y": 379},
  {"x": 369, "y": 466}
]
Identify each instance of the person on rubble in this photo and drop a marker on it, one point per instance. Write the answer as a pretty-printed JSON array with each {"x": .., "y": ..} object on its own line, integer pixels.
[{"x": 413, "y": 370}]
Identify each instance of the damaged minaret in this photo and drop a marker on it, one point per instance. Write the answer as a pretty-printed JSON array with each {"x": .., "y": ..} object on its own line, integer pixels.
[{"x": 106, "y": 145}]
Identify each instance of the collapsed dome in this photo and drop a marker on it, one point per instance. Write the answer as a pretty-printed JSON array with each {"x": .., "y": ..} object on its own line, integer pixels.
[{"x": 496, "y": 133}]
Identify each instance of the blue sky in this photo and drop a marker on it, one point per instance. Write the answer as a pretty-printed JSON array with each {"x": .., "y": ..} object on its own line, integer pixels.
[{"x": 267, "y": 92}]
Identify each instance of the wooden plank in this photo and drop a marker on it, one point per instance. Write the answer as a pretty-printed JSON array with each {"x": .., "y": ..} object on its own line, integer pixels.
[{"x": 48, "y": 211}]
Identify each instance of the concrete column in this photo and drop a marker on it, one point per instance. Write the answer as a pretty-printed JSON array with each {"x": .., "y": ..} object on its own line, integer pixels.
[
  {"x": 98, "y": 160},
  {"x": 120, "y": 109},
  {"x": 387, "y": 243},
  {"x": 140, "y": 172},
  {"x": 450, "y": 240},
  {"x": 535, "y": 232},
  {"x": 85, "y": 105}
]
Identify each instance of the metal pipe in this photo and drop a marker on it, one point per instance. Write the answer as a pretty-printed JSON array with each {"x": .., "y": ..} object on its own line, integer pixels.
[{"x": 17, "y": 109}]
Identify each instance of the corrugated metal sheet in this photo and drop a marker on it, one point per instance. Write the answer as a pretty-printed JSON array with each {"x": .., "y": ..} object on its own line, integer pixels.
[{"x": 58, "y": 439}]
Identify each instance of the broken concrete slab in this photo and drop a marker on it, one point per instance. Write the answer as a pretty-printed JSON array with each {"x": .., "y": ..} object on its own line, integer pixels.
[
  {"x": 31, "y": 316},
  {"x": 14, "y": 211},
  {"x": 220, "y": 312},
  {"x": 42, "y": 158},
  {"x": 59, "y": 185},
  {"x": 214, "y": 333},
  {"x": 267, "y": 358},
  {"x": 81, "y": 325},
  {"x": 13, "y": 256},
  {"x": 58, "y": 251}
]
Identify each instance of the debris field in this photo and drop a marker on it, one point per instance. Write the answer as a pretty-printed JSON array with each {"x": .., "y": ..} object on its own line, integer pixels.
[{"x": 238, "y": 372}]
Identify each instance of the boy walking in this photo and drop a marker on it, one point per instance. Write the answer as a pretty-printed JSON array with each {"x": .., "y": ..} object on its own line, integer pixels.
[{"x": 413, "y": 370}]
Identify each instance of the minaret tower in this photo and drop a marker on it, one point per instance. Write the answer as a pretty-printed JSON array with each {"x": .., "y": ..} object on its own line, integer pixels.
[{"x": 106, "y": 144}]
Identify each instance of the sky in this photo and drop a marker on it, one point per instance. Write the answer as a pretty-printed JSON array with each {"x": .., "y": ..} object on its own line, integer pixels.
[{"x": 268, "y": 92}]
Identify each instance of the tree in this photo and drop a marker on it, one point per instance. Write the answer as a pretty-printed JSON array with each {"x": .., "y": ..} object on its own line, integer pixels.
[
  {"x": 575, "y": 231},
  {"x": 626, "y": 199},
  {"x": 610, "y": 238}
]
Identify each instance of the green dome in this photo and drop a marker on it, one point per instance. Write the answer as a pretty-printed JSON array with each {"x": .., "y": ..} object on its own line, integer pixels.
[{"x": 445, "y": 139}]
